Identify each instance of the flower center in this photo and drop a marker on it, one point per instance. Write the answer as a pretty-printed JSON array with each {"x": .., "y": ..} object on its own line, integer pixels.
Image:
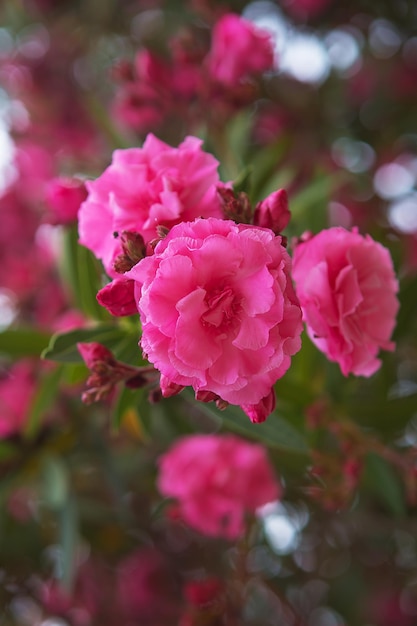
[{"x": 222, "y": 307}]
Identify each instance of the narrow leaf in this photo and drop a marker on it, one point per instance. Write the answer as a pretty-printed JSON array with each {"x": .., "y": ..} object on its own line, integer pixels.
[
  {"x": 68, "y": 530},
  {"x": 44, "y": 398},
  {"x": 63, "y": 346},
  {"x": 21, "y": 342},
  {"x": 275, "y": 432},
  {"x": 381, "y": 480}
]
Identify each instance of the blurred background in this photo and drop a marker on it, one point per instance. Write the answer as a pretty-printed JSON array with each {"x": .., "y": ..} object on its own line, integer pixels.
[{"x": 85, "y": 537}]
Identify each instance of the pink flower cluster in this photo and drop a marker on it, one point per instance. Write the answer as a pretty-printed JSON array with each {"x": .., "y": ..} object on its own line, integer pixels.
[
  {"x": 217, "y": 306},
  {"x": 217, "y": 480},
  {"x": 222, "y": 76}
]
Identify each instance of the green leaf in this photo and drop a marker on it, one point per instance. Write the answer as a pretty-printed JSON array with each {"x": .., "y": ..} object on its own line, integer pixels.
[
  {"x": 279, "y": 180},
  {"x": 7, "y": 450},
  {"x": 45, "y": 395},
  {"x": 129, "y": 400},
  {"x": 309, "y": 207},
  {"x": 242, "y": 181},
  {"x": 389, "y": 415},
  {"x": 407, "y": 312},
  {"x": 63, "y": 346},
  {"x": 68, "y": 531},
  {"x": 55, "y": 483},
  {"x": 83, "y": 273},
  {"x": 382, "y": 481},
  {"x": 21, "y": 342},
  {"x": 238, "y": 130},
  {"x": 267, "y": 165},
  {"x": 275, "y": 432}
]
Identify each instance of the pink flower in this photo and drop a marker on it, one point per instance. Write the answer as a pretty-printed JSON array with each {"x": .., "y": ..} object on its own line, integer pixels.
[
  {"x": 17, "y": 390},
  {"x": 144, "y": 188},
  {"x": 63, "y": 197},
  {"x": 219, "y": 312},
  {"x": 217, "y": 479},
  {"x": 143, "y": 578},
  {"x": 139, "y": 106},
  {"x": 346, "y": 286},
  {"x": 239, "y": 50}
]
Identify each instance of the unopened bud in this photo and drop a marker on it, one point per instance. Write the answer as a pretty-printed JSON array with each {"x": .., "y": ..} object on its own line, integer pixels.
[
  {"x": 236, "y": 206},
  {"x": 273, "y": 212},
  {"x": 134, "y": 250}
]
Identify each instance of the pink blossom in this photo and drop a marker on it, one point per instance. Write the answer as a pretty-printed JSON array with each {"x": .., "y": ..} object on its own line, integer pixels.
[
  {"x": 143, "y": 578},
  {"x": 219, "y": 312},
  {"x": 346, "y": 286},
  {"x": 91, "y": 599},
  {"x": 17, "y": 389},
  {"x": 144, "y": 188},
  {"x": 139, "y": 106},
  {"x": 63, "y": 198},
  {"x": 202, "y": 593},
  {"x": 239, "y": 50},
  {"x": 217, "y": 479}
]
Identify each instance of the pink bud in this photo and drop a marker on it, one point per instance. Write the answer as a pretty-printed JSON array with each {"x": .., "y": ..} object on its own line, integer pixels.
[
  {"x": 118, "y": 297},
  {"x": 206, "y": 396},
  {"x": 93, "y": 352},
  {"x": 273, "y": 212},
  {"x": 259, "y": 412},
  {"x": 169, "y": 388}
]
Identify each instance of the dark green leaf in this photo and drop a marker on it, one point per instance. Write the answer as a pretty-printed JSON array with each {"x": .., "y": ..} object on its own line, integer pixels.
[
  {"x": 407, "y": 312},
  {"x": 242, "y": 181},
  {"x": 21, "y": 342},
  {"x": 68, "y": 530},
  {"x": 275, "y": 432},
  {"x": 47, "y": 391},
  {"x": 309, "y": 207},
  {"x": 63, "y": 346},
  {"x": 83, "y": 273},
  {"x": 128, "y": 400},
  {"x": 7, "y": 450},
  {"x": 267, "y": 164},
  {"x": 382, "y": 481}
]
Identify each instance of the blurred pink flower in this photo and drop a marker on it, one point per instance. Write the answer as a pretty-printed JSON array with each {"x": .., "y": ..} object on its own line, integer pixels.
[
  {"x": 139, "y": 106},
  {"x": 239, "y": 50},
  {"x": 219, "y": 312},
  {"x": 217, "y": 479},
  {"x": 63, "y": 198},
  {"x": 145, "y": 188},
  {"x": 346, "y": 286},
  {"x": 92, "y": 598},
  {"x": 17, "y": 389},
  {"x": 146, "y": 587}
]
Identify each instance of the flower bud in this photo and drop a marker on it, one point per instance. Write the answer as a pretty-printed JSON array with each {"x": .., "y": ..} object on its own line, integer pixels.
[{"x": 273, "y": 212}]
